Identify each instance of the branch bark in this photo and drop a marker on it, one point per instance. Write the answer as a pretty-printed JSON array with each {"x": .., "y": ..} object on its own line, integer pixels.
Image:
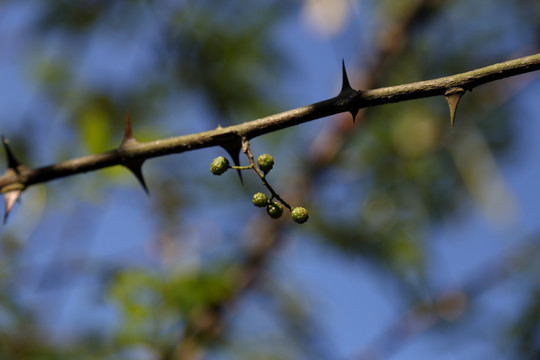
[{"x": 349, "y": 100}]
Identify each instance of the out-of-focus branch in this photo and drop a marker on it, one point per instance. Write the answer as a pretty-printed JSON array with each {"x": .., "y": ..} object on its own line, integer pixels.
[
  {"x": 208, "y": 324},
  {"x": 269, "y": 239},
  {"x": 450, "y": 305}
]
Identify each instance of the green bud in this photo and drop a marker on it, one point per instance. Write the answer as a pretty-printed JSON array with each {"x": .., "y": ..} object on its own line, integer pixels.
[
  {"x": 274, "y": 209},
  {"x": 219, "y": 165},
  {"x": 260, "y": 200},
  {"x": 265, "y": 163},
  {"x": 299, "y": 215}
]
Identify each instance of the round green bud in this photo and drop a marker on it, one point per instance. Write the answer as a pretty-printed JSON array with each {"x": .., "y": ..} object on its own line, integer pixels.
[
  {"x": 219, "y": 165},
  {"x": 299, "y": 215},
  {"x": 260, "y": 200},
  {"x": 274, "y": 209},
  {"x": 265, "y": 163}
]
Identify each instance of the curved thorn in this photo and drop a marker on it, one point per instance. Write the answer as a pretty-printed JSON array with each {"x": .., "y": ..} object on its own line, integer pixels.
[
  {"x": 346, "y": 86},
  {"x": 453, "y": 96},
  {"x": 10, "y": 198},
  {"x": 234, "y": 153},
  {"x": 12, "y": 162},
  {"x": 136, "y": 169},
  {"x": 353, "y": 114},
  {"x": 232, "y": 143}
]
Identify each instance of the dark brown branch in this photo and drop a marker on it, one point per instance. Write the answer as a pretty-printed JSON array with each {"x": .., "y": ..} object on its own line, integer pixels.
[{"x": 346, "y": 101}]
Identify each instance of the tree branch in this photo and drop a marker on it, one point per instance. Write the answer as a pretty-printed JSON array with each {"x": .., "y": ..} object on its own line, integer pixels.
[{"x": 132, "y": 153}]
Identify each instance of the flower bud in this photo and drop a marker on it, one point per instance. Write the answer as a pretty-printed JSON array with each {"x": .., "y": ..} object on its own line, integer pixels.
[
  {"x": 260, "y": 199},
  {"x": 299, "y": 215},
  {"x": 219, "y": 165},
  {"x": 265, "y": 163},
  {"x": 274, "y": 209}
]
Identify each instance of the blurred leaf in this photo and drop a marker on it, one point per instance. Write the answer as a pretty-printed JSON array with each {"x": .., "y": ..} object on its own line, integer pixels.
[{"x": 95, "y": 121}]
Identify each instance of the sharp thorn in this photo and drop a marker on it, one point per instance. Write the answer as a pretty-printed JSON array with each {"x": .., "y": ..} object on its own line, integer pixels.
[
  {"x": 346, "y": 85},
  {"x": 136, "y": 169},
  {"x": 235, "y": 155},
  {"x": 12, "y": 162},
  {"x": 353, "y": 114},
  {"x": 453, "y": 96},
  {"x": 234, "y": 152},
  {"x": 128, "y": 134},
  {"x": 10, "y": 197}
]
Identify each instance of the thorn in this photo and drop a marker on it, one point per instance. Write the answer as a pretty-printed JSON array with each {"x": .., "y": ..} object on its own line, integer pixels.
[
  {"x": 135, "y": 166},
  {"x": 346, "y": 86},
  {"x": 10, "y": 197},
  {"x": 453, "y": 96},
  {"x": 12, "y": 162},
  {"x": 232, "y": 143},
  {"x": 234, "y": 152},
  {"x": 353, "y": 114},
  {"x": 233, "y": 146},
  {"x": 128, "y": 134}
]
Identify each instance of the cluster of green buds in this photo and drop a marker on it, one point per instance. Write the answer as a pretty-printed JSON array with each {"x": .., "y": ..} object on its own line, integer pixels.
[{"x": 274, "y": 209}]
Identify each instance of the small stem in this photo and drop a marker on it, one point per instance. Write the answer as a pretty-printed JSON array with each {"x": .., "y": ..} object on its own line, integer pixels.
[
  {"x": 247, "y": 150},
  {"x": 349, "y": 100},
  {"x": 247, "y": 167}
]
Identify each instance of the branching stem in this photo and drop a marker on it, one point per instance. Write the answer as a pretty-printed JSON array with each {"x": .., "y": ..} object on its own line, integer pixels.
[
  {"x": 247, "y": 150},
  {"x": 347, "y": 101}
]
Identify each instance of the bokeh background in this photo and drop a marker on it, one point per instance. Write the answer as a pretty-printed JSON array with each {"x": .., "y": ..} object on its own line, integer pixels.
[{"x": 421, "y": 242}]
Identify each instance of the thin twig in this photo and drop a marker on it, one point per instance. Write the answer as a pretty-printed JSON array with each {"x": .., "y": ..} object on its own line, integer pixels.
[
  {"x": 348, "y": 101},
  {"x": 247, "y": 150}
]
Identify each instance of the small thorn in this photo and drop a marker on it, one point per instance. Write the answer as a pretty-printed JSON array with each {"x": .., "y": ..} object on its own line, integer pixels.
[
  {"x": 12, "y": 162},
  {"x": 10, "y": 197},
  {"x": 128, "y": 134},
  {"x": 234, "y": 153},
  {"x": 353, "y": 114},
  {"x": 233, "y": 144},
  {"x": 135, "y": 166},
  {"x": 346, "y": 86},
  {"x": 453, "y": 96}
]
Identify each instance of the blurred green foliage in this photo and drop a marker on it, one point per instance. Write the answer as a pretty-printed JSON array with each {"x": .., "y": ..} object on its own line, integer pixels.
[{"x": 140, "y": 293}]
